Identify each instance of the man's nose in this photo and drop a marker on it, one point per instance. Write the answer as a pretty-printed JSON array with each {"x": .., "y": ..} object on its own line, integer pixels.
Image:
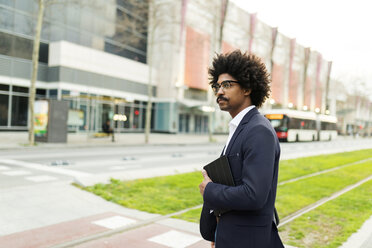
[{"x": 220, "y": 91}]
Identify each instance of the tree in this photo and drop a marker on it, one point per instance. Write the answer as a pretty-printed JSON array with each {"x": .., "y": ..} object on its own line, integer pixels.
[
  {"x": 35, "y": 65},
  {"x": 42, "y": 5},
  {"x": 219, "y": 19}
]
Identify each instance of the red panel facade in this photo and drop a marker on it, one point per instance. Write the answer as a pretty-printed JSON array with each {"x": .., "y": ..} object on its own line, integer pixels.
[
  {"x": 197, "y": 57},
  {"x": 277, "y": 83}
]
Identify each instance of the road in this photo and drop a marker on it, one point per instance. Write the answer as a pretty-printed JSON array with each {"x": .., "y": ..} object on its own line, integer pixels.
[{"x": 30, "y": 166}]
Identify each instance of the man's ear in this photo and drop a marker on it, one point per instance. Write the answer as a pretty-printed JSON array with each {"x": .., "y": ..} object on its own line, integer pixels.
[{"x": 247, "y": 92}]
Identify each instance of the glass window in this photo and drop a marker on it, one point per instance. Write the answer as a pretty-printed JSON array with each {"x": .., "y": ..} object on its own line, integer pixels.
[
  {"x": 7, "y": 2},
  {"x": 4, "y": 110},
  {"x": 129, "y": 117},
  {"x": 73, "y": 14},
  {"x": 45, "y": 30},
  {"x": 20, "y": 89},
  {"x": 4, "y": 87},
  {"x": 6, "y": 19},
  {"x": 41, "y": 92},
  {"x": 86, "y": 39},
  {"x": 24, "y": 24},
  {"x": 19, "y": 111},
  {"x": 86, "y": 19},
  {"x": 6, "y": 41},
  {"x": 72, "y": 35},
  {"x": 24, "y": 48},
  {"x": 26, "y": 5},
  {"x": 43, "y": 52},
  {"x": 56, "y": 32},
  {"x": 103, "y": 27},
  {"x": 56, "y": 12},
  {"x": 136, "y": 118},
  {"x": 53, "y": 94}
]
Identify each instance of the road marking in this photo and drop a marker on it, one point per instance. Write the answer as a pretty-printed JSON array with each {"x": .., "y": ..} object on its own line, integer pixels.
[
  {"x": 43, "y": 178},
  {"x": 175, "y": 239},
  {"x": 124, "y": 167},
  {"x": 114, "y": 222},
  {"x": 17, "y": 173},
  {"x": 42, "y": 167},
  {"x": 4, "y": 167}
]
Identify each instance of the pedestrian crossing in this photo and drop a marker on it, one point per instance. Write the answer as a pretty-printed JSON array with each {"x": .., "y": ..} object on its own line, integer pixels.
[{"x": 17, "y": 172}]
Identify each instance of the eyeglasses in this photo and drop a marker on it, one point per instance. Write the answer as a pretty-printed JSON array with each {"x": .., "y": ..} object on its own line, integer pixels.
[{"x": 224, "y": 85}]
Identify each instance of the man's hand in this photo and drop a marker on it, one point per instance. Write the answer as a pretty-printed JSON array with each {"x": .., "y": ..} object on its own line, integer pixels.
[
  {"x": 212, "y": 244},
  {"x": 205, "y": 182}
]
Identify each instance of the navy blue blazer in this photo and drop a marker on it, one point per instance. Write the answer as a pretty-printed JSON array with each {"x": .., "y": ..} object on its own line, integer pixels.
[{"x": 253, "y": 154}]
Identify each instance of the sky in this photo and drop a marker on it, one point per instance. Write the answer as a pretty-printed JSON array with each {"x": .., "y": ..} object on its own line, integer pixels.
[{"x": 339, "y": 29}]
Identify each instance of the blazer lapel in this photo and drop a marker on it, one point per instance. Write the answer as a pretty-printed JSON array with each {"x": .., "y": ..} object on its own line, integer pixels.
[{"x": 244, "y": 121}]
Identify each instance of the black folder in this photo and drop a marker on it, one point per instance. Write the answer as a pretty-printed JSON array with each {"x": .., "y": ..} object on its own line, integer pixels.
[{"x": 219, "y": 171}]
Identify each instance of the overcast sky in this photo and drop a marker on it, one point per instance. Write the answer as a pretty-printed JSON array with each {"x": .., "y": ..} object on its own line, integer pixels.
[{"x": 339, "y": 29}]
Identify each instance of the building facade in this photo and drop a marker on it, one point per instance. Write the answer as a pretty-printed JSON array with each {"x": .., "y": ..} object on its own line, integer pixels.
[
  {"x": 87, "y": 57},
  {"x": 102, "y": 55}
]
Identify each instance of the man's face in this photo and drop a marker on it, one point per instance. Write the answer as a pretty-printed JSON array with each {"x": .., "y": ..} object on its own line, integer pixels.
[{"x": 232, "y": 98}]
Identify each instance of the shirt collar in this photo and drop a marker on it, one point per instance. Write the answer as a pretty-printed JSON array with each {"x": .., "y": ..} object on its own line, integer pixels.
[{"x": 239, "y": 117}]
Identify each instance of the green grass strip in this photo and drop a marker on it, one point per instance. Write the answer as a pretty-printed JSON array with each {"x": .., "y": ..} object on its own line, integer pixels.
[
  {"x": 162, "y": 195},
  {"x": 293, "y": 168},
  {"x": 295, "y": 196},
  {"x": 332, "y": 223}
]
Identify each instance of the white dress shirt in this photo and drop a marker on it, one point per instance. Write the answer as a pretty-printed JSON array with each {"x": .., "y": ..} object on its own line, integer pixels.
[{"x": 234, "y": 123}]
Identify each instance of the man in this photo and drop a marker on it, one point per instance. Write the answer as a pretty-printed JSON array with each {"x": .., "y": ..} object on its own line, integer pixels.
[
  {"x": 241, "y": 85},
  {"x": 106, "y": 128}
]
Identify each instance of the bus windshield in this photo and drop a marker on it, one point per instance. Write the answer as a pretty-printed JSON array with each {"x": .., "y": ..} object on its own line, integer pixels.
[{"x": 279, "y": 124}]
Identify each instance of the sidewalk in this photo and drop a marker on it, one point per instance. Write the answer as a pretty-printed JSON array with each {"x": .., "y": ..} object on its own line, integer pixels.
[{"x": 13, "y": 140}]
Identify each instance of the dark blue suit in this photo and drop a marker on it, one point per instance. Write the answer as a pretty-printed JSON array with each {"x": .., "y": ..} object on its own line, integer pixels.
[{"x": 253, "y": 153}]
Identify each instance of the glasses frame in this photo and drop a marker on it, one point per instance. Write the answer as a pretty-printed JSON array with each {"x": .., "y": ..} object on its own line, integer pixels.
[{"x": 224, "y": 85}]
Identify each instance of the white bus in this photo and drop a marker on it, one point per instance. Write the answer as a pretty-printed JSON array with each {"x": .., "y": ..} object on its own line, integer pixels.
[
  {"x": 327, "y": 128},
  {"x": 293, "y": 125}
]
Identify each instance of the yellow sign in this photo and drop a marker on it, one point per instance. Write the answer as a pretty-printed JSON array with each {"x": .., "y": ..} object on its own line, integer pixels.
[{"x": 274, "y": 116}]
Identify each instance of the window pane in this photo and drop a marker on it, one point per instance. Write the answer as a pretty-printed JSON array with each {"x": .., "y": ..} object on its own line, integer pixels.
[
  {"x": 20, "y": 89},
  {"x": 53, "y": 94},
  {"x": 6, "y": 44},
  {"x": 24, "y": 24},
  {"x": 4, "y": 110},
  {"x": 72, "y": 36},
  {"x": 86, "y": 19},
  {"x": 43, "y": 53},
  {"x": 7, "y": 2},
  {"x": 4, "y": 87},
  {"x": 19, "y": 110},
  {"x": 26, "y": 5},
  {"x": 56, "y": 12},
  {"x": 73, "y": 14},
  {"x": 6, "y": 19},
  {"x": 24, "y": 48},
  {"x": 56, "y": 33},
  {"x": 41, "y": 92},
  {"x": 127, "y": 112}
]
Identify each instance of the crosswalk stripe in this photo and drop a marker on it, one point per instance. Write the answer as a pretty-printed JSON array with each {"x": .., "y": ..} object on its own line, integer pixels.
[
  {"x": 42, "y": 178},
  {"x": 16, "y": 173},
  {"x": 114, "y": 222},
  {"x": 175, "y": 239}
]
